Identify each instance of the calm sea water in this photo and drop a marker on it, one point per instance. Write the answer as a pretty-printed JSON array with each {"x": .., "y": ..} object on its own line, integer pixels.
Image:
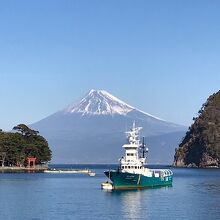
[{"x": 195, "y": 194}]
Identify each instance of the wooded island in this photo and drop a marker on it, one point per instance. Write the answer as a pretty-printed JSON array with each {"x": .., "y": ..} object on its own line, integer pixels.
[{"x": 21, "y": 143}]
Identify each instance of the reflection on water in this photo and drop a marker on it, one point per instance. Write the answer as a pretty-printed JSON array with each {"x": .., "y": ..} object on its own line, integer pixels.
[
  {"x": 131, "y": 204},
  {"x": 136, "y": 204},
  {"x": 212, "y": 187}
]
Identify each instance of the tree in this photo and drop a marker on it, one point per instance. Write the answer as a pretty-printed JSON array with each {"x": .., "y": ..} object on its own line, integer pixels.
[
  {"x": 25, "y": 130},
  {"x": 15, "y": 147}
]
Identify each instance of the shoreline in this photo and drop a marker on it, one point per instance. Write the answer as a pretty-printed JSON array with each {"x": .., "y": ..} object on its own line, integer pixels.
[
  {"x": 196, "y": 167},
  {"x": 17, "y": 169}
]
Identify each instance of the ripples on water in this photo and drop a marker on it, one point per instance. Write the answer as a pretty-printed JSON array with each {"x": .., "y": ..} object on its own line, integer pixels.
[{"x": 195, "y": 194}]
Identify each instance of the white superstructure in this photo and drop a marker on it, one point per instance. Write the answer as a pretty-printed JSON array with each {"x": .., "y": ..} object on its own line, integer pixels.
[
  {"x": 132, "y": 161},
  {"x": 135, "y": 156}
]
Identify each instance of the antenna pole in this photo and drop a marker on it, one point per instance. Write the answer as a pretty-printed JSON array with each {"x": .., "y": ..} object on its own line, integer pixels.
[{"x": 143, "y": 147}]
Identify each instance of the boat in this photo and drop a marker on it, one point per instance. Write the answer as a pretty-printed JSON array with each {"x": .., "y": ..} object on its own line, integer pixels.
[
  {"x": 107, "y": 186},
  {"x": 91, "y": 173},
  {"x": 131, "y": 172}
]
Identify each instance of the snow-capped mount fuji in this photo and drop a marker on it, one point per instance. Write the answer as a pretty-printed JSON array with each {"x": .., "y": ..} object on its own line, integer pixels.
[
  {"x": 91, "y": 130},
  {"x": 100, "y": 102}
]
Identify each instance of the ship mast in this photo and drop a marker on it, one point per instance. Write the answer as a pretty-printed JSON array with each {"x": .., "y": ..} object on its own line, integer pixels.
[
  {"x": 144, "y": 149},
  {"x": 133, "y": 159}
]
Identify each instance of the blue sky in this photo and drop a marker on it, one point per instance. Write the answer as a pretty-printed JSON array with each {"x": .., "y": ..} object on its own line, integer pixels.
[{"x": 159, "y": 56}]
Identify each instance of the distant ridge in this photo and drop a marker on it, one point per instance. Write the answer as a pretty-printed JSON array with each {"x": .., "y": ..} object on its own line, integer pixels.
[{"x": 91, "y": 130}]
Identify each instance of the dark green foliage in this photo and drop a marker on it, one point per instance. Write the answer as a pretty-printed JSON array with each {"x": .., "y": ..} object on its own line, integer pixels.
[
  {"x": 16, "y": 147},
  {"x": 25, "y": 130},
  {"x": 202, "y": 140}
]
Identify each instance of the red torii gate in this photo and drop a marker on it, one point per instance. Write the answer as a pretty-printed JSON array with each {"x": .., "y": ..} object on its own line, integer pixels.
[{"x": 31, "y": 162}]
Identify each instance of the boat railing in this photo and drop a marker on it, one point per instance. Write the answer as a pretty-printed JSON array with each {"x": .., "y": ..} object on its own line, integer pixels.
[{"x": 162, "y": 172}]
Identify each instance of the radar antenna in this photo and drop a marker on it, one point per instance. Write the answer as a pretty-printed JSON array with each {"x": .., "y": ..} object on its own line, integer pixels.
[{"x": 144, "y": 149}]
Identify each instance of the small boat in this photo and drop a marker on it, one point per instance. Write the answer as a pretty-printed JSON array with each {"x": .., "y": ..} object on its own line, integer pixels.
[
  {"x": 107, "y": 186},
  {"x": 91, "y": 173},
  {"x": 132, "y": 173}
]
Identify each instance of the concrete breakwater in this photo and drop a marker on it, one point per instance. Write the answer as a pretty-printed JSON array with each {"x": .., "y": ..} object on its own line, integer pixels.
[
  {"x": 22, "y": 169},
  {"x": 76, "y": 171},
  {"x": 43, "y": 169}
]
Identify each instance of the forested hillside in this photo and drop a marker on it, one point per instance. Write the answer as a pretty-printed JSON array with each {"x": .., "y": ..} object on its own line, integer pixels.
[{"x": 201, "y": 145}]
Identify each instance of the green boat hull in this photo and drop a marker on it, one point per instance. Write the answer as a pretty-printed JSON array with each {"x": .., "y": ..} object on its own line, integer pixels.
[{"x": 124, "y": 180}]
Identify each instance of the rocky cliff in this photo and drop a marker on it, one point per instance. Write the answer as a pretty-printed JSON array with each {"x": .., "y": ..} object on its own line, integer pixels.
[{"x": 201, "y": 145}]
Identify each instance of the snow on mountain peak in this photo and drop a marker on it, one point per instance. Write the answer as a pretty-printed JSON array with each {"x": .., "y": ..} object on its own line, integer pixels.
[{"x": 99, "y": 102}]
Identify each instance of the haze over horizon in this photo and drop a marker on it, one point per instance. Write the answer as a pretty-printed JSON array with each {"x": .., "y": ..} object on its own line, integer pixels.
[{"x": 146, "y": 53}]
